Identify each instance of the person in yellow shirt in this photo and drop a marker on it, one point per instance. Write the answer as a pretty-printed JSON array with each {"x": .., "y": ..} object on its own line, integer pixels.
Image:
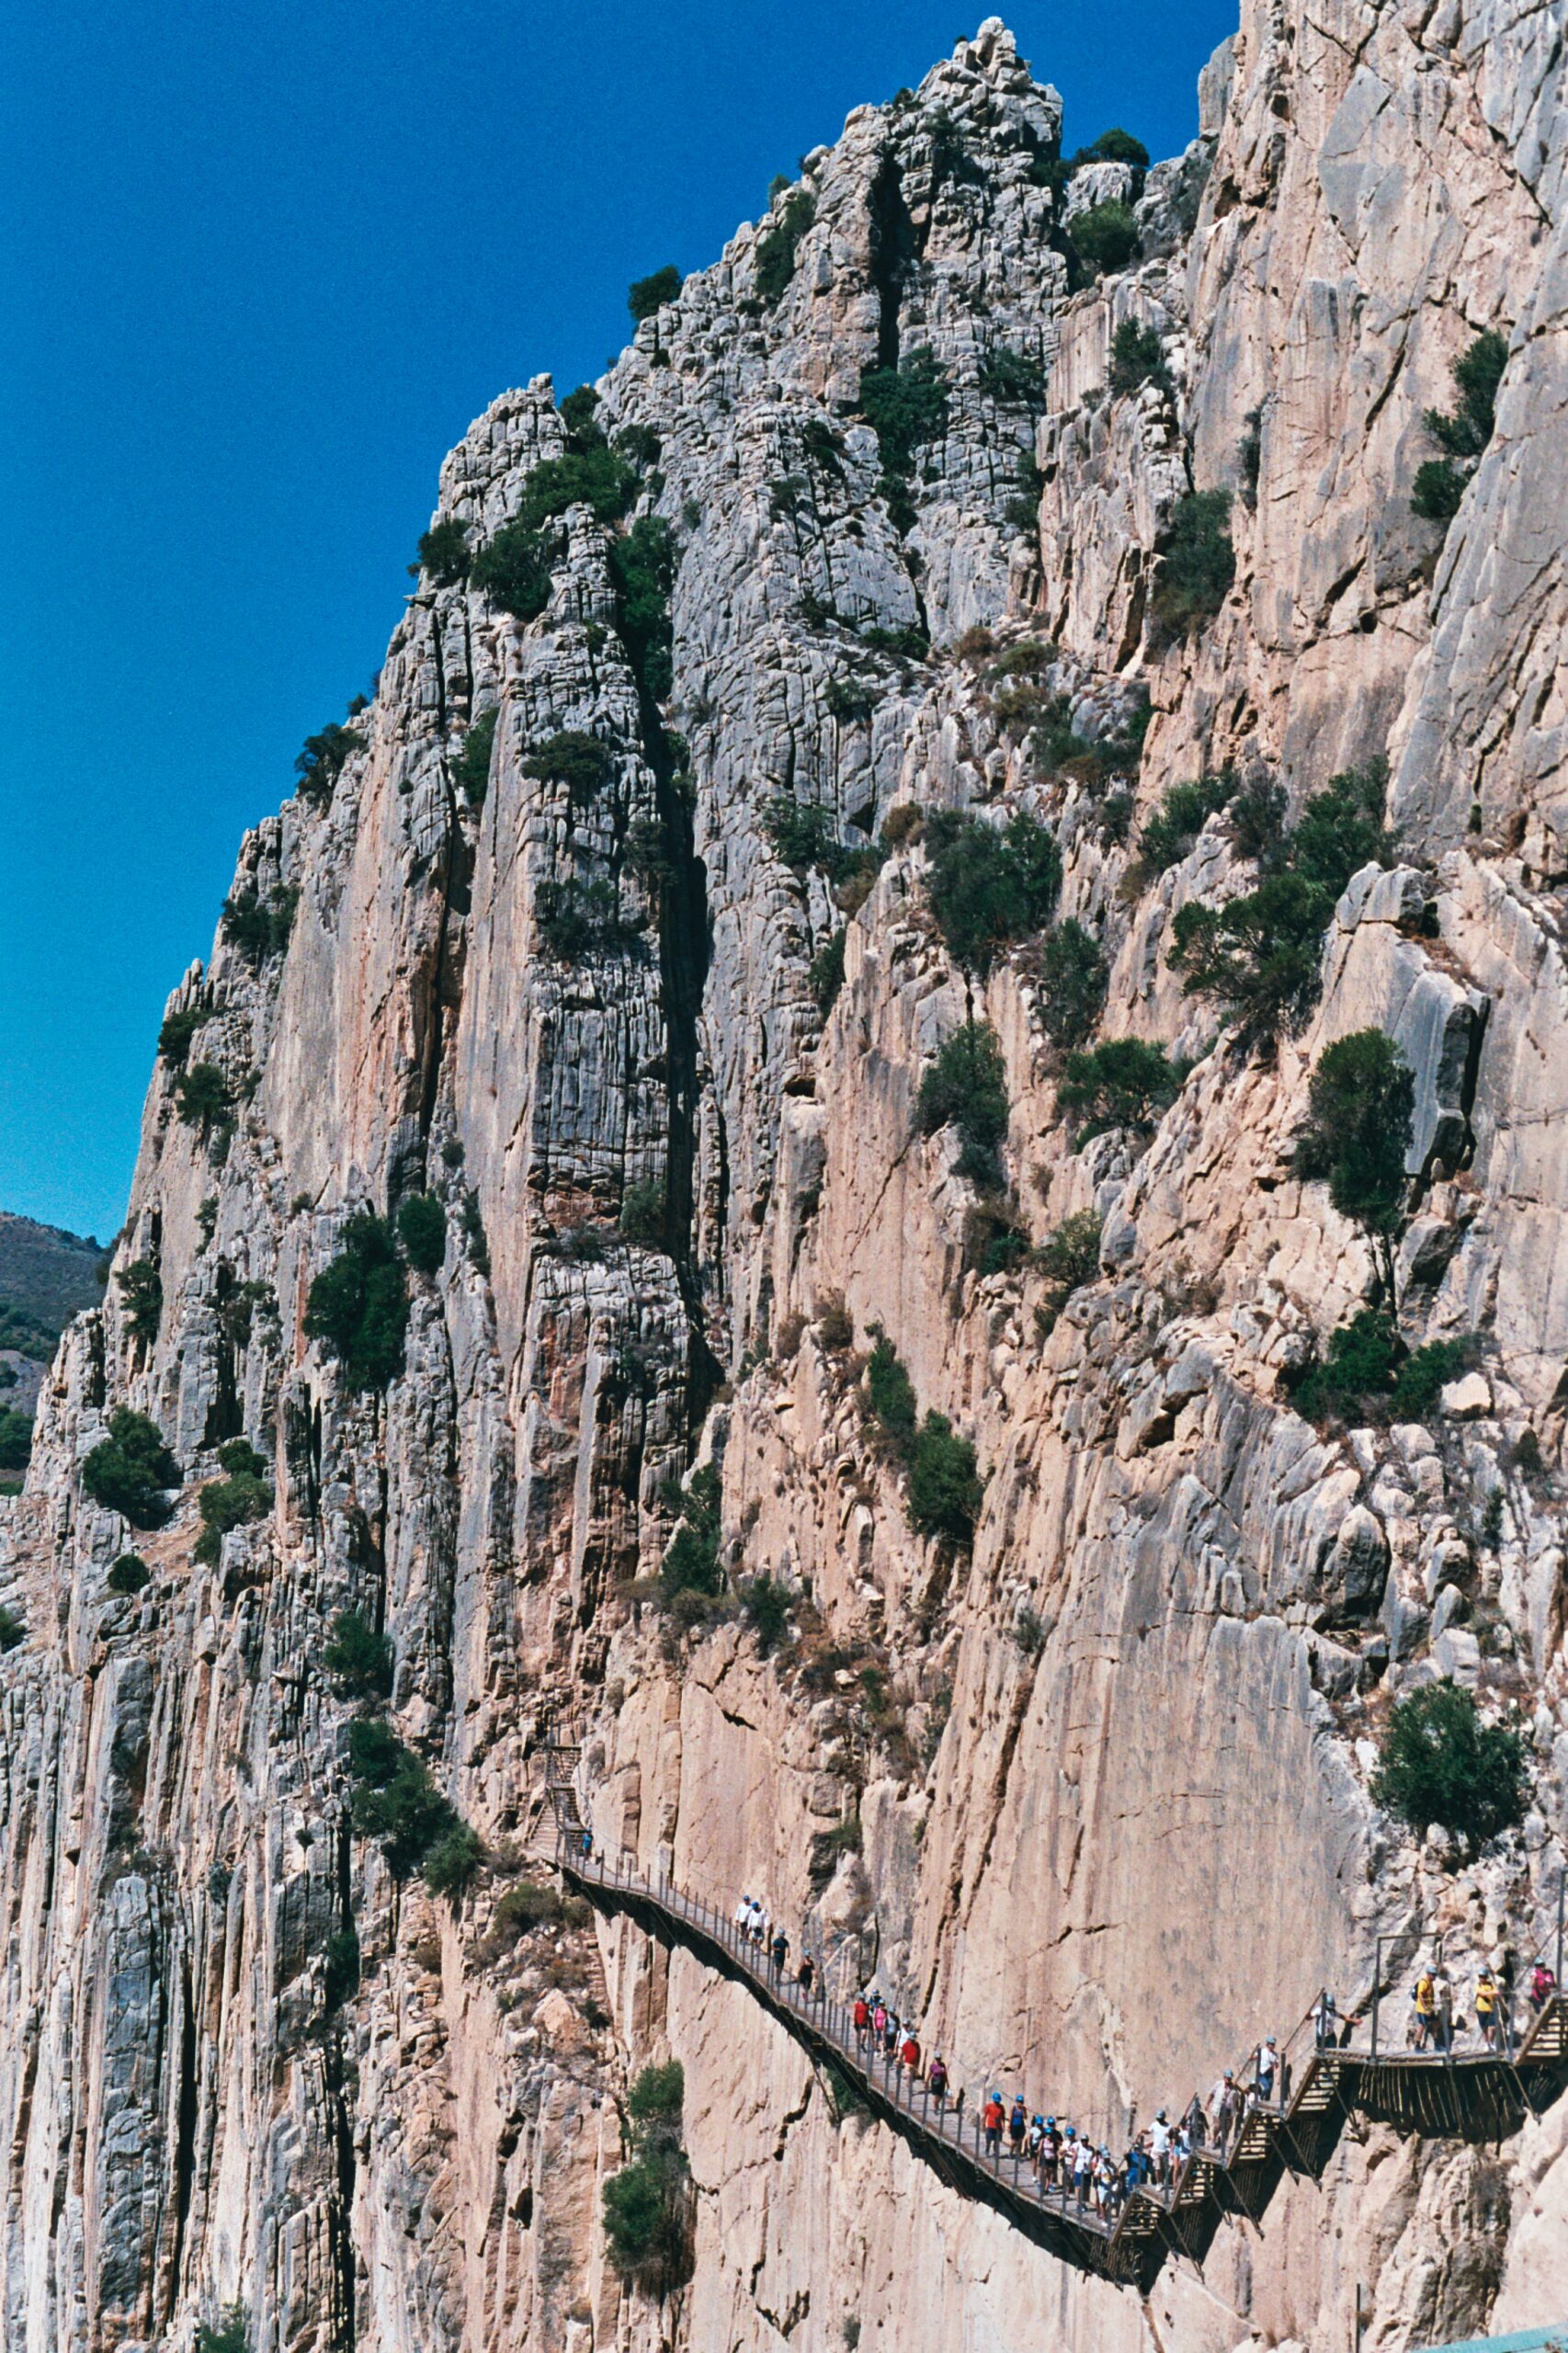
[
  {"x": 1425, "y": 2010},
  {"x": 1488, "y": 2017}
]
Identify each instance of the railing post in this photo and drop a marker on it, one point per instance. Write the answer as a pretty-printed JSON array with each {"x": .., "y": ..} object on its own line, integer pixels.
[
  {"x": 1562, "y": 1889},
  {"x": 1377, "y": 1988}
]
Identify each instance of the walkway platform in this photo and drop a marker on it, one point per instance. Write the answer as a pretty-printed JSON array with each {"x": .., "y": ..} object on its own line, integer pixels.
[{"x": 1479, "y": 2096}]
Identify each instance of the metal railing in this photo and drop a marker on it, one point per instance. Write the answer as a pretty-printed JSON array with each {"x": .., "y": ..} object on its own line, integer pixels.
[{"x": 1200, "y": 2175}]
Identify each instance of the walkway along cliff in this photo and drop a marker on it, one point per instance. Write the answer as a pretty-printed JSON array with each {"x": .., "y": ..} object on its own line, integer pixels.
[{"x": 742, "y": 1165}]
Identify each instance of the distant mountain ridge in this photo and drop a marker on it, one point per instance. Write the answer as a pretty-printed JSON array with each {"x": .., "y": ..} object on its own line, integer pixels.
[{"x": 47, "y": 1276}]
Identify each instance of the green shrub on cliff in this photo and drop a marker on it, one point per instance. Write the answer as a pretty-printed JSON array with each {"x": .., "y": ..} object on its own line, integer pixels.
[
  {"x": 646, "y": 296},
  {"x": 1198, "y": 564},
  {"x": 513, "y": 571},
  {"x": 128, "y": 1471},
  {"x": 647, "y": 2205},
  {"x": 1463, "y": 431},
  {"x": 358, "y": 1307},
  {"x": 1439, "y": 1763},
  {"x": 966, "y": 1088}
]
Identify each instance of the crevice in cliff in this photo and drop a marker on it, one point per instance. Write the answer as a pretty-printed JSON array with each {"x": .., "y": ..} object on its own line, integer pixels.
[
  {"x": 185, "y": 2138},
  {"x": 893, "y": 252},
  {"x": 340, "y": 2209}
]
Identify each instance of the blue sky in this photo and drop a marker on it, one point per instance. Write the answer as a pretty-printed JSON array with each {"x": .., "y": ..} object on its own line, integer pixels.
[{"x": 263, "y": 265}]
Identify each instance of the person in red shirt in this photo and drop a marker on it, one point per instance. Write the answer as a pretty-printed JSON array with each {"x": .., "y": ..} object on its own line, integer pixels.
[
  {"x": 909, "y": 2054},
  {"x": 862, "y": 2020},
  {"x": 991, "y": 2118}
]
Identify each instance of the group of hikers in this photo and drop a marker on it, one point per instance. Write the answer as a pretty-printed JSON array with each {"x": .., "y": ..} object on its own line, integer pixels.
[
  {"x": 1069, "y": 2165},
  {"x": 1432, "y": 2024},
  {"x": 752, "y": 1921}
]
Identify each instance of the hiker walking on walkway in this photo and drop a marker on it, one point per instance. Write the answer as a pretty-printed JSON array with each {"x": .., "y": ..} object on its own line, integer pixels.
[
  {"x": 1426, "y": 2008},
  {"x": 1267, "y": 2068},
  {"x": 991, "y": 2121},
  {"x": 1542, "y": 1985},
  {"x": 937, "y": 2080},
  {"x": 1017, "y": 2122},
  {"x": 1486, "y": 2007},
  {"x": 804, "y": 1974},
  {"x": 862, "y": 2017},
  {"x": 780, "y": 1952},
  {"x": 1443, "y": 2009},
  {"x": 909, "y": 2054},
  {"x": 1326, "y": 2020}
]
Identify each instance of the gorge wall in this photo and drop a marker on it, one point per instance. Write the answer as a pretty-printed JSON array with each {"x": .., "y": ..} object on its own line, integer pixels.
[{"x": 1100, "y": 1815}]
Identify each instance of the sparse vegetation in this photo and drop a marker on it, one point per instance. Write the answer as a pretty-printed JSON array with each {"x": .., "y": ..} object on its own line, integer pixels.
[
  {"x": 260, "y": 927},
  {"x": 129, "y": 1574},
  {"x": 990, "y": 886},
  {"x": 1357, "y": 1135},
  {"x": 765, "y": 1606},
  {"x": 358, "y": 1307},
  {"x": 142, "y": 1298},
  {"x": 966, "y": 1088},
  {"x": 203, "y": 1097},
  {"x": 1105, "y": 236},
  {"x": 396, "y": 1801},
  {"x": 905, "y": 406},
  {"x": 129, "y": 1470},
  {"x": 226, "y": 2336},
  {"x": 592, "y": 475},
  {"x": 1260, "y": 955},
  {"x": 322, "y": 760},
  {"x": 1125, "y": 1082},
  {"x": 647, "y": 296},
  {"x": 422, "y": 1229},
  {"x": 1071, "y": 980},
  {"x": 826, "y": 975},
  {"x": 444, "y": 552},
  {"x": 647, "y": 2205},
  {"x": 357, "y": 1658},
  {"x": 16, "y": 1438},
  {"x": 178, "y": 1029},
  {"x": 1137, "y": 356},
  {"x": 692, "y": 1562},
  {"x": 945, "y": 1487},
  {"x": 1198, "y": 564},
  {"x": 1463, "y": 431},
  {"x": 1068, "y": 1258},
  {"x": 471, "y": 768},
  {"x": 643, "y": 567},
  {"x": 1174, "y": 826},
  {"x": 1440, "y": 1763},
  {"x": 1012, "y": 379},
  {"x": 643, "y": 1213},
  {"x": 13, "y": 1629},
  {"x": 576, "y": 918},
  {"x": 1367, "y": 1371},
  {"x": 513, "y": 571},
  {"x": 778, "y": 245},
  {"x": 239, "y": 1497}
]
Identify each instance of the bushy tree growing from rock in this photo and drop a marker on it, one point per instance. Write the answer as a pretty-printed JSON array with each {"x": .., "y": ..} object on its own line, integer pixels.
[
  {"x": 1361, "y": 1101},
  {"x": 966, "y": 1088},
  {"x": 358, "y": 1306},
  {"x": 1441, "y": 1764},
  {"x": 129, "y": 1470}
]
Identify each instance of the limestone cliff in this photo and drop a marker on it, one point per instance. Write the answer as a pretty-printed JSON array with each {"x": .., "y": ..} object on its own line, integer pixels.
[{"x": 1092, "y": 1794}]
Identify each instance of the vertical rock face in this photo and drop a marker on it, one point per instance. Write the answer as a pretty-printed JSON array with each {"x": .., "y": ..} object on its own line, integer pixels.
[{"x": 1090, "y": 1795}]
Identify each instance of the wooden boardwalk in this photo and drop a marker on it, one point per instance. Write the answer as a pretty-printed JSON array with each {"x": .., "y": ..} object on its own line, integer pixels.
[{"x": 1477, "y": 2097}]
